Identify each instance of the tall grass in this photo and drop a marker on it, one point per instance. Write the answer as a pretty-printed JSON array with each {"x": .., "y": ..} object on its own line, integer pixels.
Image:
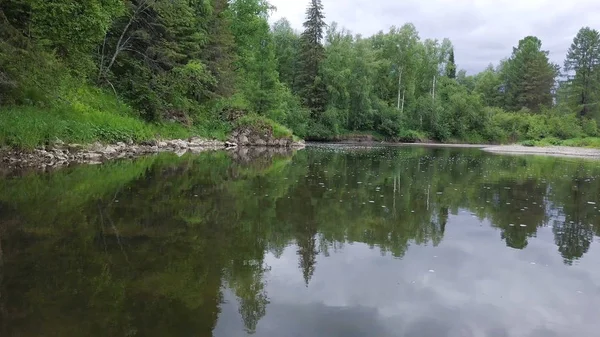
[{"x": 86, "y": 115}]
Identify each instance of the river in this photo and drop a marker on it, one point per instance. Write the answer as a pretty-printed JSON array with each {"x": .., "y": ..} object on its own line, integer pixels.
[{"x": 328, "y": 241}]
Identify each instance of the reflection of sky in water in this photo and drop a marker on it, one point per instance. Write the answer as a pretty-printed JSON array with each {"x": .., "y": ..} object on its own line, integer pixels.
[{"x": 478, "y": 287}]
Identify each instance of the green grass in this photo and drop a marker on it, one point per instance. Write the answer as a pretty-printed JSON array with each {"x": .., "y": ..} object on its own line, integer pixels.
[
  {"x": 87, "y": 115},
  {"x": 260, "y": 123}
]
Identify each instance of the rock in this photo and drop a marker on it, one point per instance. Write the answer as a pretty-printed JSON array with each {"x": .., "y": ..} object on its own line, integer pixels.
[
  {"x": 196, "y": 141},
  {"x": 92, "y": 156},
  {"x": 243, "y": 140},
  {"x": 129, "y": 141},
  {"x": 109, "y": 150},
  {"x": 182, "y": 144},
  {"x": 75, "y": 148},
  {"x": 97, "y": 146},
  {"x": 260, "y": 142},
  {"x": 230, "y": 144},
  {"x": 162, "y": 144},
  {"x": 151, "y": 142}
]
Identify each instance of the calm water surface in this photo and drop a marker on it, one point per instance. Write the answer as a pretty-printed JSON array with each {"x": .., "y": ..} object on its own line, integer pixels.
[{"x": 329, "y": 241}]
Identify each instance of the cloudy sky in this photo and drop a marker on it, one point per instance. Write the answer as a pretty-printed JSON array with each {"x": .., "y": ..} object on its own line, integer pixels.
[{"x": 482, "y": 31}]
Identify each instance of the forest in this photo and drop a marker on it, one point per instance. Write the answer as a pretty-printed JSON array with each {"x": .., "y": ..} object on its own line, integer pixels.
[{"x": 117, "y": 70}]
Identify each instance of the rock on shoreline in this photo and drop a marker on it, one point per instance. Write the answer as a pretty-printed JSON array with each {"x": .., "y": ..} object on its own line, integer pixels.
[{"x": 61, "y": 154}]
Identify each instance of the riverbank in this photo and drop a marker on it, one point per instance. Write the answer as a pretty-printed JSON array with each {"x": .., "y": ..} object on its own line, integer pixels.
[
  {"x": 61, "y": 154},
  {"x": 563, "y": 151}
]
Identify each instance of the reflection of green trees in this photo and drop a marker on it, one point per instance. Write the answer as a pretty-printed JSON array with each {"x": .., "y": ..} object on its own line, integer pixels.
[{"x": 144, "y": 247}]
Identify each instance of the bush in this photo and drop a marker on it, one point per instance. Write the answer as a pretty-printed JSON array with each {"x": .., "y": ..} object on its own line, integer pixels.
[
  {"x": 319, "y": 132},
  {"x": 589, "y": 127},
  {"x": 583, "y": 142},
  {"x": 411, "y": 136},
  {"x": 263, "y": 124}
]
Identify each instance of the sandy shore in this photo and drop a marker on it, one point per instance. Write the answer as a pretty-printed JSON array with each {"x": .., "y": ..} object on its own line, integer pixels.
[
  {"x": 561, "y": 151},
  {"x": 567, "y": 151}
]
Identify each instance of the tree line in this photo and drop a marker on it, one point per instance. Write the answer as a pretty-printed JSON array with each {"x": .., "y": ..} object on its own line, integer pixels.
[{"x": 195, "y": 61}]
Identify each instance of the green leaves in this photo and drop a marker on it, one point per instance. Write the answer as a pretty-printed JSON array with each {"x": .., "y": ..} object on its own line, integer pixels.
[
  {"x": 583, "y": 68},
  {"x": 529, "y": 76}
]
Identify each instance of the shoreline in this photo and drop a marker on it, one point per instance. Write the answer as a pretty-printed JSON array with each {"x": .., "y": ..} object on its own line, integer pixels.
[
  {"x": 557, "y": 151},
  {"x": 59, "y": 155},
  {"x": 62, "y": 155},
  {"x": 514, "y": 149}
]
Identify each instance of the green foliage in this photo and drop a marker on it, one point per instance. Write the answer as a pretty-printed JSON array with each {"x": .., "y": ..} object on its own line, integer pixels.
[
  {"x": 261, "y": 124},
  {"x": 528, "y": 143},
  {"x": 451, "y": 66},
  {"x": 312, "y": 88},
  {"x": 412, "y": 136},
  {"x": 529, "y": 76},
  {"x": 287, "y": 44},
  {"x": 87, "y": 115},
  {"x": 583, "y": 59}
]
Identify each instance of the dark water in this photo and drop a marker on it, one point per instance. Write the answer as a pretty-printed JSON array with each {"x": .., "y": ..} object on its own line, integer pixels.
[{"x": 330, "y": 242}]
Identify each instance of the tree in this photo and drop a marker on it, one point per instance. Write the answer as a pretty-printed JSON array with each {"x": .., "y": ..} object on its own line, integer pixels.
[
  {"x": 311, "y": 86},
  {"x": 287, "y": 44},
  {"x": 583, "y": 59},
  {"x": 155, "y": 59},
  {"x": 487, "y": 84},
  {"x": 451, "y": 65},
  {"x": 529, "y": 77},
  {"x": 219, "y": 53},
  {"x": 259, "y": 80}
]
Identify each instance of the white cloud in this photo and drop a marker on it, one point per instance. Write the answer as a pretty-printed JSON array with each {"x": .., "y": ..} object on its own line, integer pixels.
[{"x": 483, "y": 31}]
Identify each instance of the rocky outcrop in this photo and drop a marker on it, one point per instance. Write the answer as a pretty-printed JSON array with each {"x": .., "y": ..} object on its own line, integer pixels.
[
  {"x": 61, "y": 154},
  {"x": 246, "y": 136}
]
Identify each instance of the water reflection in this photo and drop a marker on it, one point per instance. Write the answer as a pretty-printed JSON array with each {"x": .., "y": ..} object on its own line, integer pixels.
[{"x": 329, "y": 241}]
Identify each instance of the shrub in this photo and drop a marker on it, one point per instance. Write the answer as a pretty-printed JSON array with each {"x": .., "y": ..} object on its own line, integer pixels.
[
  {"x": 263, "y": 124},
  {"x": 589, "y": 127},
  {"x": 411, "y": 136}
]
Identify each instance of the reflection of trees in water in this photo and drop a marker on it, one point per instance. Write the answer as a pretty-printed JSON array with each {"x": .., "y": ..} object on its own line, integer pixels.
[
  {"x": 151, "y": 243},
  {"x": 575, "y": 233}
]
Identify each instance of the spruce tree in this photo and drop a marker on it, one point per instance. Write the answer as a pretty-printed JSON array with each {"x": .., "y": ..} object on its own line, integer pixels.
[
  {"x": 583, "y": 62},
  {"x": 451, "y": 65},
  {"x": 529, "y": 76},
  {"x": 312, "y": 53}
]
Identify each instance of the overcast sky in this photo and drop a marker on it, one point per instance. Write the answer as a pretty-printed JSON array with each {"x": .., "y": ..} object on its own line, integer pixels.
[{"x": 482, "y": 31}]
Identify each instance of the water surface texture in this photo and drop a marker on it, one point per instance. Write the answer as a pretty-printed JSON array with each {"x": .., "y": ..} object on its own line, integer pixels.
[{"x": 332, "y": 241}]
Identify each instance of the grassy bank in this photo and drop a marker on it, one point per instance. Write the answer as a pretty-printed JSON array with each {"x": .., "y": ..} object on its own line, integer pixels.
[{"x": 87, "y": 115}]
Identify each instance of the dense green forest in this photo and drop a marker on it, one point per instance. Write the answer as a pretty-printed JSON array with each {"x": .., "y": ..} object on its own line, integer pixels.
[{"x": 114, "y": 70}]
